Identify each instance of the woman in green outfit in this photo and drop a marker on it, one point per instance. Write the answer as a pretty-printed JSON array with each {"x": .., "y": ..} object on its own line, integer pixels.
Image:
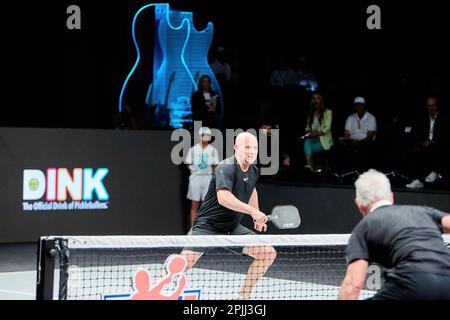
[{"x": 318, "y": 129}]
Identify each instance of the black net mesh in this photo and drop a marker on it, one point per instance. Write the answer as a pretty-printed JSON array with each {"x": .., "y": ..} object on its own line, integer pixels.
[{"x": 297, "y": 272}]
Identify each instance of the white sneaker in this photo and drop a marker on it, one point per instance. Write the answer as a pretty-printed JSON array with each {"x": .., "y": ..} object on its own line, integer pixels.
[
  {"x": 416, "y": 184},
  {"x": 432, "y": 177}
]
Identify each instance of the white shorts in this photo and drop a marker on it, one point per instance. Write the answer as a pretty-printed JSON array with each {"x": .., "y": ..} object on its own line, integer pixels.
[{"x": 198, "y": 187}]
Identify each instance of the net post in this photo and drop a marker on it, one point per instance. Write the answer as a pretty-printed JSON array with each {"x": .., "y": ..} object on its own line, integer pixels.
[
  {"x": 46, "y": 255},
  {"x": 63, "y": 268}
]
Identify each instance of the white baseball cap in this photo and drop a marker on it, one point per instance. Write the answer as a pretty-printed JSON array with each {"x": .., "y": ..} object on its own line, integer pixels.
[
  {"x": 204, "y": 130},
  {"x": 360, "y": 100}
]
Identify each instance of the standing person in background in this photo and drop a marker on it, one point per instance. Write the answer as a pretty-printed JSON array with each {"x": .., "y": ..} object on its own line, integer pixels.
[
  {"x": 201, "y": 160},
  {"x": 205, "y": 103},
  {"x": 361, "y": 126},
  {"x": 318, "y": 130}
]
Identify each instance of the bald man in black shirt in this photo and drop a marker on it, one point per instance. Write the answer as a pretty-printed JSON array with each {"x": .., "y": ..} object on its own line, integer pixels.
[
  {"x": 231, "y": 195},
  {"x": 406, "y": 240}
]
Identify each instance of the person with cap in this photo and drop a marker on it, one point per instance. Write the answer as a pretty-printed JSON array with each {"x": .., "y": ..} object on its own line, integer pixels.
[
  {"x": 355, "y": 151},
  {"x": 201, "y": 160},
  {"x": 361, "y": 126}
]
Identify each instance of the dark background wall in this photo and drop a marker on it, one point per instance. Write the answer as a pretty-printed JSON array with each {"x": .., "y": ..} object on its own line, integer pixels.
[
  {"x": 63, "y": 78},
  {"x": 331, "y": 209},
  {"x": 143, "y": 184},
  {"x": 147, "y": 192}
]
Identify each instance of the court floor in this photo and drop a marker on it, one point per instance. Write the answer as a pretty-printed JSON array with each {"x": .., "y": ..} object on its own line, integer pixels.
[{"x": 20, "y": 285}]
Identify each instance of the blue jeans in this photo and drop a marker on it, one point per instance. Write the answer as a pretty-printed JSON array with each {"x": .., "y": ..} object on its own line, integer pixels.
[{"x": 311, "y": 146}]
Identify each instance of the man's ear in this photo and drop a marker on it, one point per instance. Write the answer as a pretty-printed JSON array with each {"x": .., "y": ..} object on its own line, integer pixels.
[{"x": 360, "y": 207}]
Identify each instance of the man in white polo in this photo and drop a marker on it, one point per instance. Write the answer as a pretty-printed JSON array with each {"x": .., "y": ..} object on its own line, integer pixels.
[
  {"x": 359, "y": 135},
  {"x": 362, "y": 125},
  {"x": 201, "y": 160}
]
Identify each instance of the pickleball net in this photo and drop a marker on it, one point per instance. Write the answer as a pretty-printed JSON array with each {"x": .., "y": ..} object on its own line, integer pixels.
[{"x": 105, "y": 267}]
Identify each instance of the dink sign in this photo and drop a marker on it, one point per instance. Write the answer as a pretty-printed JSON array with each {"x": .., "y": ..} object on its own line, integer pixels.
[{"x": 57, "y": 184}]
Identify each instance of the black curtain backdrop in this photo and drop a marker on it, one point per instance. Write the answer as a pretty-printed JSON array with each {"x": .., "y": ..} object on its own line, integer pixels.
[
  {"x": 55, "y": 77},
  {"x": 146, "y": 190}
]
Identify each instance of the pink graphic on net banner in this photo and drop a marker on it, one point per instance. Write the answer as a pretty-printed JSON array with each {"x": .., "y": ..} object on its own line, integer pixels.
[{"x": 175, "y": 266}]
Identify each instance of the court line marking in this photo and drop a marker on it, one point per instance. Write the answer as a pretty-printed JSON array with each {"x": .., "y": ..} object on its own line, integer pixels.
[
  {"x": 16, "y": 272},
  {"x": 4, "y": 276},
  {"x": 18, "y": 292}
]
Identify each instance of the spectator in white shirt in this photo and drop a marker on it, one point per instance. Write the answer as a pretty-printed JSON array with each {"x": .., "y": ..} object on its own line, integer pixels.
[
  {"x": 362, "y": 125},
  {"x": 201, "y": 160},
  {"x": 355, "y": 150}
]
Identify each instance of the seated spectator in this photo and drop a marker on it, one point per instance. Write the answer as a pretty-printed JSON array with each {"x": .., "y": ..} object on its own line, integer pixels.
[
  {"x": 305, "y": 78},
  {"x": 205, "y": 103},
  {"x": 283, "y": 75},
  {"x": 318, "y": 130},
  {"x": 355, "y": 147},
  {"x": 361, "y": 126},
  {"x": 284, "y": 160},
  {"x": 431, "y": 141}
]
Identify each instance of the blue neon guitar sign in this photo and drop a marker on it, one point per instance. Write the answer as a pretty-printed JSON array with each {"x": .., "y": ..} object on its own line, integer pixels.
[{"x": 180, "y": 58}]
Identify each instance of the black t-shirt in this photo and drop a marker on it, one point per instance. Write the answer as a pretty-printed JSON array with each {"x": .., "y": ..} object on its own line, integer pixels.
[
  {"x": 402, "y": 239},
  {"x": 228, "y": 175}
]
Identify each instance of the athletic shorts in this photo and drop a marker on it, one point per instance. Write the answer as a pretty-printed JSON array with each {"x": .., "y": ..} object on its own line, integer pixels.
[
  {"x": 198, "y": 187},
  {"x": 414, "y": 286},
  {"x": 240, "y": 230}
]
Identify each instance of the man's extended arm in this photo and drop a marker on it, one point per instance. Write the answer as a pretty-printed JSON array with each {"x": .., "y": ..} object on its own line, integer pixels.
[
  {"x": 354, "y": 280},
  {"x": 446, "y": 224},
  {"x": 254, "y": 200},
  {"x": 228, "y": 200}
]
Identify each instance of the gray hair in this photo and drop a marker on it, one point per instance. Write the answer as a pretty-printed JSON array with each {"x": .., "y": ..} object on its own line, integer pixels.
[{"x": 372, "y": 186}]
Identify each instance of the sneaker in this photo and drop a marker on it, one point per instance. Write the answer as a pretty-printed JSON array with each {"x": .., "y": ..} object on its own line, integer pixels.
[
  {"x": 416, "y": 184},
  {"x": 432, "y": 177}
]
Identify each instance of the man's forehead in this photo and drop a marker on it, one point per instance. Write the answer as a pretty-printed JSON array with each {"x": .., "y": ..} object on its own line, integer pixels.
[{"x": 246, "y": 138}]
